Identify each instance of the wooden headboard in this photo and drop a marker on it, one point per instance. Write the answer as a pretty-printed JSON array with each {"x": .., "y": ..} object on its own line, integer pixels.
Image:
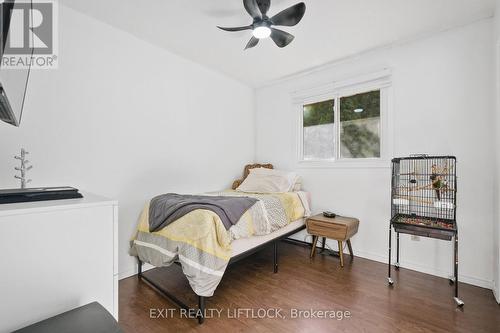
[{"x": 246, "y": 171}]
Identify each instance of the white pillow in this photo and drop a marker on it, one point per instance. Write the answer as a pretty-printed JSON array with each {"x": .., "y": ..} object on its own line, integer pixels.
[
  {"x": 295, "y": 179},
  {"x": 298, "y": 185},
  {"x": 291, "y": 177},
  {"x": 265, "y": 180}
]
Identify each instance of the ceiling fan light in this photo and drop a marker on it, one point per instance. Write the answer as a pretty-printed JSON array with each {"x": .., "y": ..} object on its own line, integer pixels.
[{"x": 261, "y": 32}]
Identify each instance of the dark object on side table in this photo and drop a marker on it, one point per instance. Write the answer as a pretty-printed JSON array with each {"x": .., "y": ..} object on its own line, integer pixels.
[
  {"x": 38, "y": 194},
  {"x": 423, "y": 203},
  {"x": 329, "y": 214},
  {"x": 90, "y": 318}
]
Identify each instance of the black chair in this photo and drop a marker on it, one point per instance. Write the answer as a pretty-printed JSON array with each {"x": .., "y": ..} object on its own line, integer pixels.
[{"x": 90, "y": 318}]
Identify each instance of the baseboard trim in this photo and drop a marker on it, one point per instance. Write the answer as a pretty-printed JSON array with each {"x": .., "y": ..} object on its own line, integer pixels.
[
  {"x": 488, "y": 284},
  {"x": 428, "y": 270},
  {"x": 133, "y": 271},
  {"x": 370, "y": 256},
  {"x": 496, "y": 292}
]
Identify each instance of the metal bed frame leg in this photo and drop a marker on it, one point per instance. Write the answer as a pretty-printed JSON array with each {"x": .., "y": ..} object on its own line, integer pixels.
[
  {"x": 275, "y": 257},
  {"x": 201, "y": 307},
  {"x": 201, "y": 299},
  {"x": 457, "y": 300},
  {"x": 201, "y": 313},
  {"x": 389, "y": 279},
  {"x": 396, "y": 265}
]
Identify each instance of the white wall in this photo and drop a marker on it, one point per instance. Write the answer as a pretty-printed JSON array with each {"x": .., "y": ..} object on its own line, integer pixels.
[
  {"x": 443, "y": 104},
  {"x": 128, "y": 120},
  {"x": 496, "y": 222}
]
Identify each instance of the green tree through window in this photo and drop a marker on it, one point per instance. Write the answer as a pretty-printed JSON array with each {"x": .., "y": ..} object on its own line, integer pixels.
[
  {"x": 319, "y": 113},
  {"x": 360, "y": 125},
  {"x": 356, "y": 135}
]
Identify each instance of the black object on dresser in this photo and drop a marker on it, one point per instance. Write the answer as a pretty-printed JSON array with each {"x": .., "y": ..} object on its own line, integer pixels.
[
  {"x": 38, "y": 194},
  {"x": 424, "y": 202}
]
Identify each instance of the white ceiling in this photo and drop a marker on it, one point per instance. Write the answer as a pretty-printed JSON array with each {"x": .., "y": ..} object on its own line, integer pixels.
[{"x": 330, "y": 30}]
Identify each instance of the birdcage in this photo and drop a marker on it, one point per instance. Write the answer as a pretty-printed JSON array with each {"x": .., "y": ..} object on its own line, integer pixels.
[{"x": 424, "y": 202}]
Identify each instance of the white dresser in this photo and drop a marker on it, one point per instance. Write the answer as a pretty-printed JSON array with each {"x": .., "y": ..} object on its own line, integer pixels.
[{"x": 55, "y": 256}]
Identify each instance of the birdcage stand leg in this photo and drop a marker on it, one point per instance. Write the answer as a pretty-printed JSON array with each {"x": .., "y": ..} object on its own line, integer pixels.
[
  {"x": 275, "y": 257},
  {"x": 457, "y": 300},
  {"x": 389, "y": 279},
  {"x": 396, "y": 265}
]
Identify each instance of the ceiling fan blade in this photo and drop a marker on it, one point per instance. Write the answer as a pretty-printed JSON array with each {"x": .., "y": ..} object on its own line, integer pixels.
[
  {"x": 248, "y": 27},
  {"x": 264, "y": 6},
  {"x": 280, "y": 37},
  {"x": 252, "y": 8},
  {"x": 252, "y": 42},
  {"x": 290, "y": 16}
]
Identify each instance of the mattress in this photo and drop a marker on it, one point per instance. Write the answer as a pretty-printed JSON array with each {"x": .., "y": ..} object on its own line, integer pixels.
[{"x": 242, "y": 245}]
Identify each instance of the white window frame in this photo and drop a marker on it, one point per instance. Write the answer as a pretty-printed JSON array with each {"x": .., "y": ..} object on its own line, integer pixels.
[{"x": 376, "y": 81}]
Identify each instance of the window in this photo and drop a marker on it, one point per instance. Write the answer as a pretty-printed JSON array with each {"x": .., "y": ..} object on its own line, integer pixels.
[
  {"x": 360, "y": 125},
  {"x": 344, "y": 124},
  {"x": 319, "y": 130}
]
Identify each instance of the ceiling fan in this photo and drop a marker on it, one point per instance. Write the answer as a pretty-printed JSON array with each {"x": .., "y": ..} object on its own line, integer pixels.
[{"x": 262, "y": 26}]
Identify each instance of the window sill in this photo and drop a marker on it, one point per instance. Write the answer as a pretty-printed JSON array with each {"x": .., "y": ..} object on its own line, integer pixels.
[{"x": 345, "y": 164}]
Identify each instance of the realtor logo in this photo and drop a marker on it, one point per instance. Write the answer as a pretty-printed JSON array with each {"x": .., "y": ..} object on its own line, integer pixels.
[{"x": 31, "y": 38}]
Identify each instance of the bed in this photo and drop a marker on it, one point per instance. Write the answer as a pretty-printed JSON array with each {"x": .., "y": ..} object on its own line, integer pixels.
[{"x": 199, "y": 243}]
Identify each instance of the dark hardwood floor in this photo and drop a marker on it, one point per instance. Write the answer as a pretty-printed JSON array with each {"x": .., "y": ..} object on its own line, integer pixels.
[{"x": 417, "y": 302}]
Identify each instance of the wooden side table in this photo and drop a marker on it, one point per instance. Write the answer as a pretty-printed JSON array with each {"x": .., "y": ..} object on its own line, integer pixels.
[{"x": 339, "y": 228}]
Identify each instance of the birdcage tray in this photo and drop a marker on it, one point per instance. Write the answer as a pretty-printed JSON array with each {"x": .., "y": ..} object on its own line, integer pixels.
[{"x": 424, "y": 226}]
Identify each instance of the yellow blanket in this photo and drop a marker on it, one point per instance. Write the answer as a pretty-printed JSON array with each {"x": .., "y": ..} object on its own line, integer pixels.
[{"x": 200, "y": 242}]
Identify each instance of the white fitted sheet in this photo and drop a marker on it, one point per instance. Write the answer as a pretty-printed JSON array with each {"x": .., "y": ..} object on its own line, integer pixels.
[{"x": 244, "y": 244}]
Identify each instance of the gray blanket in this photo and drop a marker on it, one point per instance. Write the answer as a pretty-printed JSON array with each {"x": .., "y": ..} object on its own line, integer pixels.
[{"x": 166, "y": 208}]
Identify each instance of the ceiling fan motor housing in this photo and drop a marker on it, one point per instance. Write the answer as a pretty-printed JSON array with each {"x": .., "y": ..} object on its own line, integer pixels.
[{"x": 262, "y": 23}]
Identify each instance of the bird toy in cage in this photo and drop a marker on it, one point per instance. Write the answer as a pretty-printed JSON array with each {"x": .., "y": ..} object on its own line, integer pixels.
[
  {"x": 438, "y": 180},
  {"x": 23, "y": 168}
]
